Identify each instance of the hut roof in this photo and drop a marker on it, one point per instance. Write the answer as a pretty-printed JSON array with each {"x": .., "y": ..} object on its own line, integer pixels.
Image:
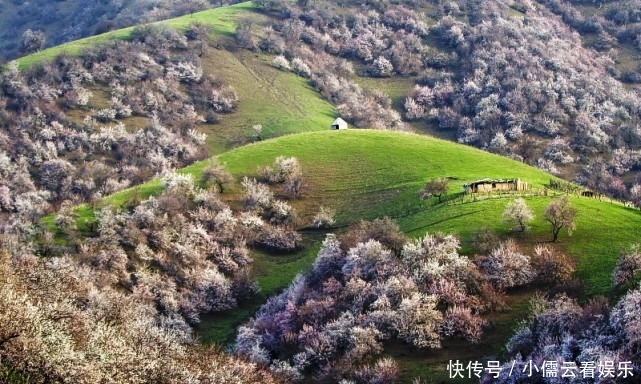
[{"x": 487, "y": 181}]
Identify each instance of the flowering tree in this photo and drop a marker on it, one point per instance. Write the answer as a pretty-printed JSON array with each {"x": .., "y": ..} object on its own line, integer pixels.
[
  {"x": 33, "y": 41},
  {"x": 518, "y": 214},
  {"x": 628, "y": 267},
  {"x": 507, "y": 267},
  {"x": 561, "y": 330},
  {"x": 331, "y": 321},
  {"x": 217, "y": 174},
  {"x": 324, "y": 218},
  {"x": 552, "y": 265}
]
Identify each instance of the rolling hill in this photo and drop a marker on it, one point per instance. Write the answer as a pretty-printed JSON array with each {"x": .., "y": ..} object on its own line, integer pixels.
[
  {"x": 220, "y": 20},
  {"x": 368, "y": 174},
  {"x": 277, "y": 100},
  {"x": 64, "y": 21},
  {"x": 364, "y": 174}
]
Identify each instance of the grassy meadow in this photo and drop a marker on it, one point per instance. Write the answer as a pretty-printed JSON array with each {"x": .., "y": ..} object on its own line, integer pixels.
[{"x": 364, "y": 174}]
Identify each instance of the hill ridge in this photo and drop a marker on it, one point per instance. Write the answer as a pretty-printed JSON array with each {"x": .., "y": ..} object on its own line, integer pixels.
[{"x": 219, "y": 19}]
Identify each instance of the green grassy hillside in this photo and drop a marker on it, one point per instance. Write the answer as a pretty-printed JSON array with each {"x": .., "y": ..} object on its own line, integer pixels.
[
  {"x": 368, "y": 174},
  {"x": 220, "y": 20},
  {"x": 277, "y": 100},
  {"x": 364, "y": 174},
  {"x": 280, "y": 101}
]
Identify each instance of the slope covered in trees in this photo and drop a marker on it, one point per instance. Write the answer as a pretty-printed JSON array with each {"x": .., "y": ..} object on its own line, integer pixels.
[
  {"x": 200, "y": 241},
  {"x": 63, "y": 21},
  {"x": 58, "y": 324},
  {"x": 80, "y": 127},
  {"x": 514, "y": 80},
  {"x": 368, "y": 174},
  {"x": 364, "y": 174},
  {"x": 92, "y": 119}
]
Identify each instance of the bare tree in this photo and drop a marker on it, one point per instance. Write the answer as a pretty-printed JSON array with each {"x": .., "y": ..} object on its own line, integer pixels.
[
  {"x": 635, "y": 195},
  {"x": 434, "y": 187},
  {"x": 560, "y": 213}
]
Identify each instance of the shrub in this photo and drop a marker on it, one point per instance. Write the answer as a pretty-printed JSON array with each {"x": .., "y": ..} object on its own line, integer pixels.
[
  {"x": 279, "y": 239},
  {"x": 218, "y": 175},
  {"x": 281, "y": 213},
  {"x": 301, "y": 68},
  {"x": 324, "y": 218},
  {"x": 223, "y": 100},
  {"x": 244, "y": 35},
  {"x": 459, "y": 321},
  {"x": 507, "y": 267},
  {"x": 257, "y": 195},
  {"x": 551, "y": 265},
  {"x": 484, "y": 240},
  {"x": 413, "y": 110},
  {"x": 628, "y": 267},
  {"x": 173, "y": 181},
  {"x": 281, "y": 62},
  {"x": 384, "y": 230},
  {"x": 381, "y": 67}
]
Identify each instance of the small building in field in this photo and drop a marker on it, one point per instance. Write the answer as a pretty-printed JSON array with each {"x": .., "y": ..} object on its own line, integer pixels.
[
  {"x": 495, "y": 185},
  {"x": 339, "y": 124}
]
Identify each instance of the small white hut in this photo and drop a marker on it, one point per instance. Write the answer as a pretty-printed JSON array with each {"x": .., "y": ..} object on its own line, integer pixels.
[{"x": 339, "y": 124}]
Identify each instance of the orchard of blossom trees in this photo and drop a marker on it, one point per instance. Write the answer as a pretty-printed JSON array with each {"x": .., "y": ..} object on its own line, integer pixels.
[
  {"x": 561, "y": 330},
  {"x": 113, "y": 298},
  {"x": 522, "y": 86},
  {"x": 60, "y": 142},
  {"x": 185, "y": 249},
  {"x": 118, "y": 303},
  {"x": 60, "y": 323},
  {"x": 316, "y": 60},
  {"x": 614, "y": 25},
  {"x": 372, "y": 285},
  {"x": 526, "y": 87},
  {"x": 32, "y": 23}
]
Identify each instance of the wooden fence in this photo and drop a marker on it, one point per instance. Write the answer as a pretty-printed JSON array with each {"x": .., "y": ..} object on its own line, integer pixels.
[{"x": 467, "y": 198}]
